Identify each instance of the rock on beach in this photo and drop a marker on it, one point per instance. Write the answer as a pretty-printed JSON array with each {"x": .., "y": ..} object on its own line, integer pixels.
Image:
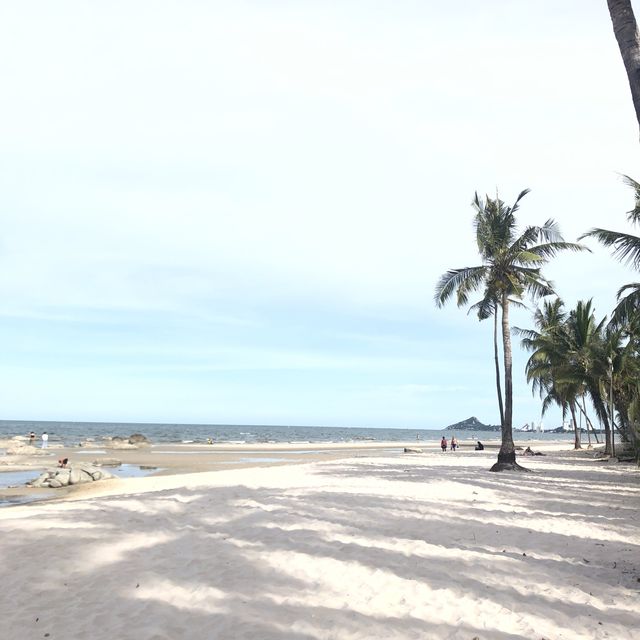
[{"x": 77, "y": 474}]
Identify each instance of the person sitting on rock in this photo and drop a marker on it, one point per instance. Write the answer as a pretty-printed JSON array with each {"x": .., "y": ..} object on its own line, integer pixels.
[{"x": 62, "y": 463}]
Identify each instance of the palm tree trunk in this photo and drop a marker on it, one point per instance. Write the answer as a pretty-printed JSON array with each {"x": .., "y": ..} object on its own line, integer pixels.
[
  {"x": 576, "y": 432},
  {"x": 583, "y": 410},
  {"x": 602, "y": 411},
  {"x": 507, "y": 453},
  {"x": 586, "y": 423},
  {"x": 626, "y": 32},
  {"x": 497, "y": 361}
]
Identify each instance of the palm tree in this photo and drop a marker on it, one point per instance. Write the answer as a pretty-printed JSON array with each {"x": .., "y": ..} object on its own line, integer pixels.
[
  {"x": 550, "y": 346},
  {"x": 626, "y": 318},
  {"x": 626, "y": 32},
  {"x": 589, "y": 353},
  {"x": 510, "y": 269},
  {"x": 626, "y": 247},
  {"x": 622, "y": 351}
]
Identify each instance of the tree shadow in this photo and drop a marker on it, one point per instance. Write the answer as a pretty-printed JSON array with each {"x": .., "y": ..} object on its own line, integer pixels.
[{"x": 341, "y": 555}]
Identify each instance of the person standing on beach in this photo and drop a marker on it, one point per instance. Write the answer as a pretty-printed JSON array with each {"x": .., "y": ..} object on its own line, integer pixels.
[
  {"x": 454, "y": 443},
  {"x": 45, "y": 440},
  {"x": 443, "y": 444}
]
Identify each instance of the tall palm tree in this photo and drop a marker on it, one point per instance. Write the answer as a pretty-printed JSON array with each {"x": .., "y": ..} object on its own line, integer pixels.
[
  {"x": 626, "y": 32},
  {"x": 510, "y": 268}
]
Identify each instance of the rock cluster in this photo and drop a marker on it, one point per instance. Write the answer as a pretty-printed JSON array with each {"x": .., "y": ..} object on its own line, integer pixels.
[
  {"x": 77, "y": 474},
  {"x": 134, "y": 441},
  {"x": 25, "y": 450}
]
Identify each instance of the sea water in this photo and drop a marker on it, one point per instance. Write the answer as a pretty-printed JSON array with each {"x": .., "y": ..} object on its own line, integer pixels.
[{"x": 72, "y": 433}]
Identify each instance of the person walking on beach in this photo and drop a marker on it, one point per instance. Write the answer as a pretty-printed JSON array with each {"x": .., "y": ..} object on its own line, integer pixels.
[
  {"x": 32, "y": 437},
  {"x": 454, "y": 443},
  {"x": 443, "y": 444},
  {"x": 45, "y": 440}
]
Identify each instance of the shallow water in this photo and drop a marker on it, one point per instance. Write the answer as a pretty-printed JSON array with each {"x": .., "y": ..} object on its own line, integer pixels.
[
  {"x": 131, "y": 471},
  {"x": 17, "y": 478}
]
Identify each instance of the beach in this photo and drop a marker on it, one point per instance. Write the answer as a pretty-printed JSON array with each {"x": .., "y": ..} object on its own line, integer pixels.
[{"x": 347, "y": 542}]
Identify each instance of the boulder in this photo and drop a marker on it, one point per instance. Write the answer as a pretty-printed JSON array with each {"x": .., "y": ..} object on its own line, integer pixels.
[
  {"x": 63, "y": 476},
  {"x": 121, "y": 445},
  {"x": 138, "y": 438},
  {"x": 76, "y": 474},
  {"x": 107, "y": 462},
  {"x": 22, "y": 450},
  {"x": 89, "y": 443}
]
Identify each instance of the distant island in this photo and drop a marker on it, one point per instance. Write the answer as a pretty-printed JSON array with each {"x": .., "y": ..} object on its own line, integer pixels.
[{"x": 472, "y": 424}]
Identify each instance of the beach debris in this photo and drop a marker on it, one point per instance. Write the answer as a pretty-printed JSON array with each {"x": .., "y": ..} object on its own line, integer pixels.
[
  {"x": 76, "y": 474},
  {"x": 412, "y": 450}
]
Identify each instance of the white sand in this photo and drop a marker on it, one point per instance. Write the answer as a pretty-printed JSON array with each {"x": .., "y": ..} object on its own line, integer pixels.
[{"x": 400, "y": 546}]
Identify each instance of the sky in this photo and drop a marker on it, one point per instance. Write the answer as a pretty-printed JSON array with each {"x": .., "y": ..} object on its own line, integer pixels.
[{"x": 237, "y": 212}]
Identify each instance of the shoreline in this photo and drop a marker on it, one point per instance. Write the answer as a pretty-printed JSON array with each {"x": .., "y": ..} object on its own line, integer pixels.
[{"x": 178, "y": 459}]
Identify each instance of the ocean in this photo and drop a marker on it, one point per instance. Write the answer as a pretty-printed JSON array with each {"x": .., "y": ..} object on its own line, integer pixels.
[{"x": 72, "y": 433}]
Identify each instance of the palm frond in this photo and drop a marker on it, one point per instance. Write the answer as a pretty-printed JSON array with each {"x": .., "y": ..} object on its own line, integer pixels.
[
  {"x": 527, "y": 334},
  {"x": 550, "y": 232},
  {"x": 626, "y": 247},
  {"x": 551, "y": 249},
  {"x": 467, "y": 279},
  {"x": 628, "y": 307},
  {"x": 634, "y": 215},
  {"x": 516, "y": 205}
]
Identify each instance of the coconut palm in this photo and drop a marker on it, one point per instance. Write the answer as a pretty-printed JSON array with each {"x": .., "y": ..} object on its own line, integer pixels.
[
  {"x": 626, "y": 318},
  {"x": 550, "y": 344},
  {"x": 510, "y": 268},
  {"x": 623, "y": 356},
  {"x": 591, "y": 347},
  {"x": 626, "y": 247}
]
